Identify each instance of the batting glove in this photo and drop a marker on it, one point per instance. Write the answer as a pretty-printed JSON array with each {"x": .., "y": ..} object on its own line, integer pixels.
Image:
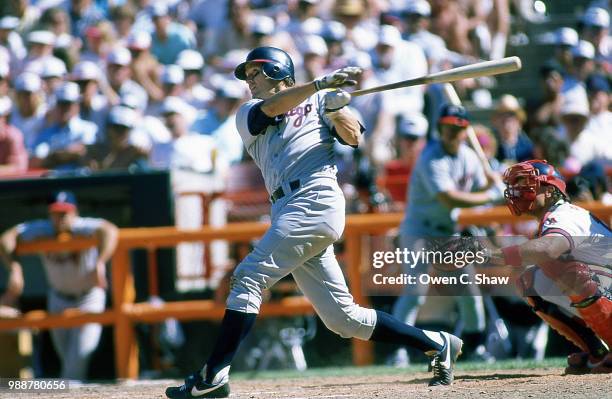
[
  {"x": 338, "y": 78},
  {"x": 336, "y": 99}
]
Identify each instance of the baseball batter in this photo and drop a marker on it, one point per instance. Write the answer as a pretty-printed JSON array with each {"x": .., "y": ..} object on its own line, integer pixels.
[
  {"x": 289, "y": 130},
  {"x": 572, "y": 297},
  {"x": 76, "y": 279}
]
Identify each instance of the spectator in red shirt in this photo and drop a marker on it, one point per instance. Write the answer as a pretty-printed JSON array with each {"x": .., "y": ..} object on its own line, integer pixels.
[{"x": 13, "y": 155}]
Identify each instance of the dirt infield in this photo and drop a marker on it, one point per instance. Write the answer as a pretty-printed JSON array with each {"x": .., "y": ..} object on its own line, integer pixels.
[{"x": 507, "y": 384}]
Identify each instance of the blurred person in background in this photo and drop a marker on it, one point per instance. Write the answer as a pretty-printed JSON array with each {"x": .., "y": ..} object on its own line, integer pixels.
[
  {"x": 28, "y": 114},
  {"x": 235, "y": 33},
  {"x": 53, "y": 73},
  {"x": 13, "y": 154},
  {"x": 334, "y": 34},
  {"x": 94, "y": 106},
  {"x": 219, "y": 121},
  {"x": 565, "y": 39},
  {"x": 488, "y": 142},
  {"x": 122, "y": 17},
  {"x": 417, "y": 16},
  {"x": 99, "y": 40},
  {"x": 194, "y": 92},
  {"x": 119, "y": 75},
  {"x": 600, "y": 121},
  {"x": 172, "y": 80},
  {"x": 513, "y": 143},
  {"x": 450, "y": 22},
  {"x": 27, "y": 13},
  {"x": 144, "y": 66},
  {"x": 360, "y": 30},
  {"x": 549, "y": 145},
  {"x": 75, "y": 279},
  {"x": 83, "y": 13},
  {"x": 584, "y": 143},
  {"x": 169, "y": 38},
  {"x": 40, "y": 50},
  {"x": 594, "y": 27},
  {"x": 390, "y": 66},
  {"x": 11, "y": 41},
  {"x": 583, "y": 64},
  {"x": 591, "y": 184},
  {"x": 116, "y": 151},
  {"x": 304, "y": 20},
  {"x": 63, "y": 143},
  {"x": 148, "y": 129},
  {"x": 5, "y": 72},
  {"x": 186, "y": 150},
  {"x": 544, "y": 110}
]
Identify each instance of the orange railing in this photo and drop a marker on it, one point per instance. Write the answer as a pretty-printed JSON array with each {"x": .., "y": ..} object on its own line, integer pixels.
[{"x": 125, "y": 312}]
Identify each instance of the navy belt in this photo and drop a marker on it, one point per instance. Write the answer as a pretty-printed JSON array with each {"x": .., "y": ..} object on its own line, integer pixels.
[{"x": 280, "y": 193}]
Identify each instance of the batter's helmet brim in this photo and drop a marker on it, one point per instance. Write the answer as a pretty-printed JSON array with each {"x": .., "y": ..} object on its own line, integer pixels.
[{"x": 240, "y": 71}]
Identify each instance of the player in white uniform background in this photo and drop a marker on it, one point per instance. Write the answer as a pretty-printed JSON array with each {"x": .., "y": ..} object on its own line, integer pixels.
[
  {"x": 572, "y": 296},
  {"x": 76, "y": 279},
  {"x": 290, "y": 130}
]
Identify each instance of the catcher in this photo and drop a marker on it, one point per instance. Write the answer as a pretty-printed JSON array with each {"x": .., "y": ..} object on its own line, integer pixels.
[{"x": 573, "y": 297}]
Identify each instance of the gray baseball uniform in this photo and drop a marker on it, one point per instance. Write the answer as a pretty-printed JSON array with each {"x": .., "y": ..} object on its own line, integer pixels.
[
  {"x": 297, "y": 156},
  {"x": 71, "y": 286},
  {"x": 435, "y": 172}
]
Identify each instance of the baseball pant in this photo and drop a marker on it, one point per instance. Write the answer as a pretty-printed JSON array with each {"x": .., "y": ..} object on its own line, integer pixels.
[
  {"x": 74, "y": 346},
  {"x": 304, "y": 226}
]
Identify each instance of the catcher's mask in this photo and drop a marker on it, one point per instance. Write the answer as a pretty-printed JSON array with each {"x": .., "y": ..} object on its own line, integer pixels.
[{"x": 523, "y": 182}]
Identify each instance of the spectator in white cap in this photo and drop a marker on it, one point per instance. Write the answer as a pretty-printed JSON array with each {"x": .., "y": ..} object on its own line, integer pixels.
[
  {"x": 360, "y": 30},
  {"x": 338, "y": 52},
  {"x": 62, "y": 144},
  {"x": 172, "y": 79},
  {"x": 186, "y": 150},
  {"x": 13, "y": 155},
  {"x": 583, "y": 64},
  {"x": 600, "y": 120},
  {"x": 304, "y": 20},
  {"x": 40, "y": 43},
  {"x": 314, "y": 53},
  {"x": 417, "y": 16},
  {"x": 119, "y": 74},
  {"x": 116, "y": 151},
  {"x": 11, "y": 40},
  {"x": 565, "y": 39},
  {"x": 194, "y": 93},
  {"x": 595, "y": 28},
  {"x": 235, "y": 34},
  {"x": 27, "y": 13},
  {"x": 83, "y": 13},
  {"x": 149, "y": 129},
  {"x": 264, "y": 33},
  {"x": 169, "y": 38},
  {"x": 52, "y": 74},
  {"x": 99, "y": 41},
  {"x": 584, "y": 146},
  {"x": 94, "y": 105},
  {"x": 145, "y": 68},
  {"x": 123, "y": 17},
  {"x": 218, "y": 121},
  {"x": 29, "y": 110},
  {"x": 389, "y": 61}
]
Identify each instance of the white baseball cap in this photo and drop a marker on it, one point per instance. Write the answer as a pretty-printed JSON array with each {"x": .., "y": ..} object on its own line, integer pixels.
[
  {"x": 42, "y": 37},
  {"x": 230, "y": 89},
  {"x": 53, "y": 68},
  {"x": 86, "y": 70},
  {"x": 575, "y": 102},
  {"x": 5, "y": 105},
  {"x": 119, "y": 56},
  {"x": 9, "y": 22},
  {"x": 419, "y": 7},
  {"x": 131, "y": 100},
  {"x": 596, "y": 16},
  {"x": 140, "y": 40},
  {"x": 566, "y": 37},
  {"x": 389, "y": 36},
  {"x": 173, "y": 105},
  {"x": 122, "y": 116},
  {"x": 263, "y": 25},
  {"x": 68, "y": 92},
  {"x": 173, "y": 74},
  {"x": 361, "y": 59},
  {"x": 28, "y": 81},
  {"x": 190, "y": 60},
  {"x": 312, "y": 26},
  {"x": 413, "y": 124},
  {"x": 583, "y": 49},
  {"x": 159, "y": 9},
  {"x": 4, "y": 70},
  {"x": 334, "y": 31},
  {"x": 313, "y": 44}
]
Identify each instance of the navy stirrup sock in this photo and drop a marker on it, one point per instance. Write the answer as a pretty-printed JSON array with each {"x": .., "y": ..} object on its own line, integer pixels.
[
  {"x": 234, "y": 327},
  {"x": 390, "y": 330}
]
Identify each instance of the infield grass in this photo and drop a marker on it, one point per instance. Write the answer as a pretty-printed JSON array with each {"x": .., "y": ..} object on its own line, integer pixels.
[{"x": 514, "y": 364}]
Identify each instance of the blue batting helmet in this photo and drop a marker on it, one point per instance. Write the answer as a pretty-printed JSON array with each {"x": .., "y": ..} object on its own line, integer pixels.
[{"x": 276, "y": 64}]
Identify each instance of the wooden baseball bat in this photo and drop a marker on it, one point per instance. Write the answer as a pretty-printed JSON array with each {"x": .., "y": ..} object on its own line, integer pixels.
[
  {"x": 486, "y": 68},
  {"x": 453, "y": 98}
]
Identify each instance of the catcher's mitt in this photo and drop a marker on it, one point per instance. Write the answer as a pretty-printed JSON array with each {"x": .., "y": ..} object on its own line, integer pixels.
[{"x": 459, "y": 252}]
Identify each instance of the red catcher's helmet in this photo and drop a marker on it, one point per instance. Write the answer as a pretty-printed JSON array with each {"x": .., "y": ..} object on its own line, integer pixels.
[{"x": 523, "y": 181}]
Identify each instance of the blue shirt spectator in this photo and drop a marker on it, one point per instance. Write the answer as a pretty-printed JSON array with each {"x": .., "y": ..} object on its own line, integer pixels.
[{"x": 169, "y": 38}]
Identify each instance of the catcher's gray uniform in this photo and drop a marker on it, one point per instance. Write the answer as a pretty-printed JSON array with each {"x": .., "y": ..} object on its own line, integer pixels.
[
  {"x": 297, "y": 162},
  {"x": 435, "y": 172},
  {"x": 71, "y": 286}
]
